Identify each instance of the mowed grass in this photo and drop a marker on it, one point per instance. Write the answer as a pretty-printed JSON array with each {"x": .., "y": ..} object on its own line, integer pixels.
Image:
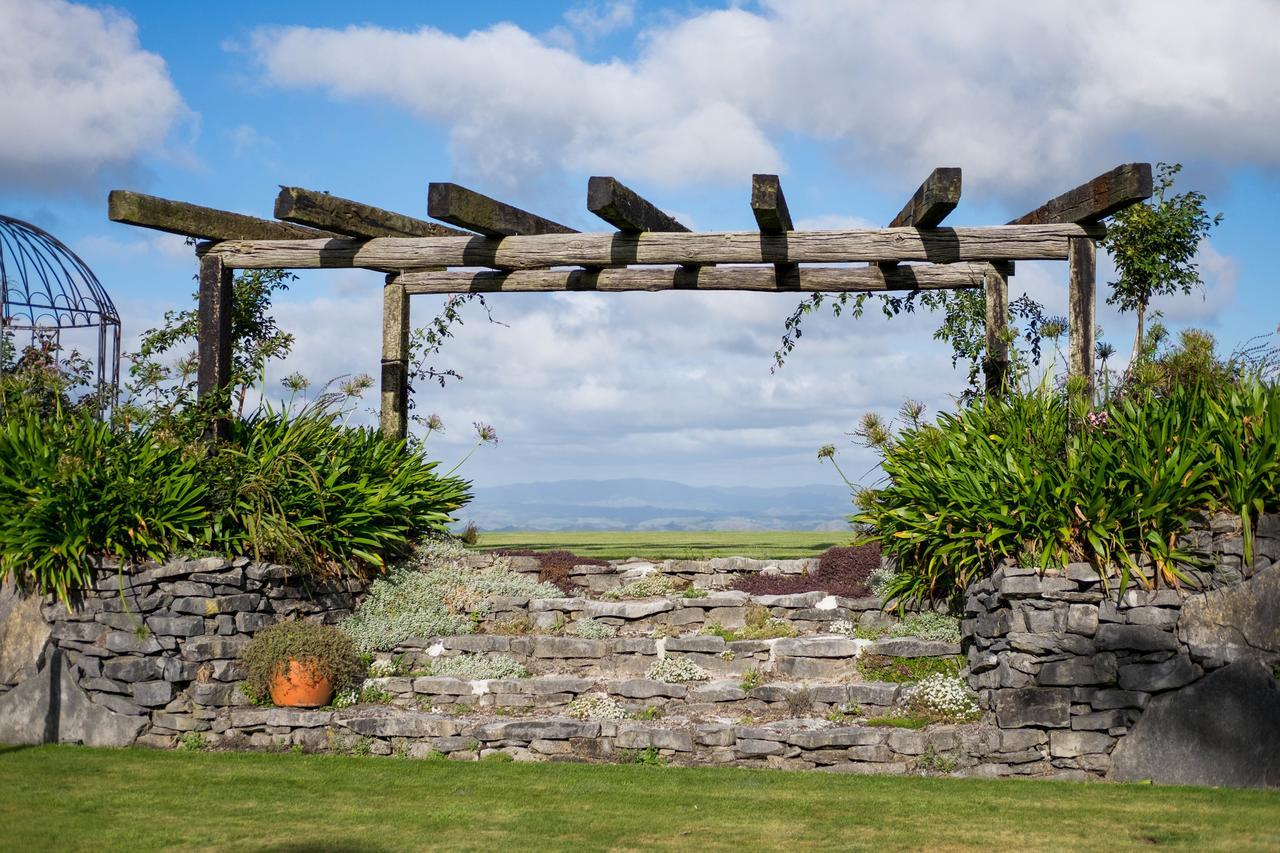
[
  {"x": 673, "y": 545},
  {"x": 75, "y": 798}
]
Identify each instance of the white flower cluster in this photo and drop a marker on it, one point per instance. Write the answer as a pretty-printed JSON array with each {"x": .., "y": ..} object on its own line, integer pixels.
[
  {"x": 879, "y": 579},
  {"x": 944, "y": 696},
  {"x": 928, "y": 626},
  {"x": 590, "y": 629},
  {"x": 434, "y": 596},
  {"x": 596, "y": 706},
  {"x": 477, "y": 667},
  {"x": 842, "y": 626},
  {"x": 382, "y": 669},
  {"x": 346, "y": 698},
  {"x": 655, "y": 584},
  {"x": 676, "y": 671}
]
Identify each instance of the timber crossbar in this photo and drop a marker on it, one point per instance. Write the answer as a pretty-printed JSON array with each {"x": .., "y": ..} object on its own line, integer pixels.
[{"x": 542, "y": 251}]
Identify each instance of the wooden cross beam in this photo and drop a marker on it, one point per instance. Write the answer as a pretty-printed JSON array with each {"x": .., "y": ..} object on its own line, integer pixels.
[
  {"x": 769, "y": 205},
  {"x": 192, "y": 220},
  {"x": 625, "y": 210},
  {"x": 936, "y": 197},
  {"x": 344, "y": 216},
  {"x": 1095, "y": 200},
  {"x": 757, "y": 278},
  {"x": 938, "y": 245},
  {"x": 469, "y": 209}
]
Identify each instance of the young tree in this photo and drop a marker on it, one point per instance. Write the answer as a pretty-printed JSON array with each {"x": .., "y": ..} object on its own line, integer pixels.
[{"x": 1154, "y": 248}]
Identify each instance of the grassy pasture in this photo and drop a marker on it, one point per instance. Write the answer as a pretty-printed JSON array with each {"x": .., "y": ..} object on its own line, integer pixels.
[{"x": 675, "y": 545}]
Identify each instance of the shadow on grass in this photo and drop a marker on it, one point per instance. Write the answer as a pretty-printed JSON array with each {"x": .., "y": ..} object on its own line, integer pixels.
[{"x": 326, "y": 843}]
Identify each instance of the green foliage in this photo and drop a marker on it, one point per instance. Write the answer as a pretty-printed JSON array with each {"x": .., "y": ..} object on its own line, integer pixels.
[
  {"x": 650, "y": 756},
  {"x": 759, "y": 625},
  {"x": 325, "y": 647},
  {"x": 647, "y": 587},
  {"x": 902, "y": 670},
  {"x": 1028, "y": 479},
  {"x": 653, "y": 712},
  {"x": 433, "y": 594},
  {"x": 900, "y": 721},
  {"x": 1154, "y": 246},
  {"x": 474, "y": 667},
  {"x": 592, "y": 629},
  {"x": 193, "y": 742},
  {"x": 928, "y": 626},
  {"x": 751, "y": 679}
]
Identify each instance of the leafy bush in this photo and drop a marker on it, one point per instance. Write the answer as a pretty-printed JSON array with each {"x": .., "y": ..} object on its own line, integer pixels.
[
  {"x": 590, "y": 629},
  {"x": 473, "y": 667},
  {"x": 433, "y": 595},
  {"x": 928, "y": 626},
  {"x": 676, "y": 671},
  {"x": 840, "y": 571},
  {"x": 325, "y": 647},
  {"x": 1024, "y": 478}
]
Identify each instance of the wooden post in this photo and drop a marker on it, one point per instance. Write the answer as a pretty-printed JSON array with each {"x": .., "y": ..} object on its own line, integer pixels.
[
  {"x": 213, "y": 337},
  {"x": 1082, "y": 265},
  {"x": 996, "y": 364},
  {"x": 395, "y": 359}
]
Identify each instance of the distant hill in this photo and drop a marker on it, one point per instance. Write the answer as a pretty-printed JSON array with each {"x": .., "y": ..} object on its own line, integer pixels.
[{"x": 638, "y": 504}]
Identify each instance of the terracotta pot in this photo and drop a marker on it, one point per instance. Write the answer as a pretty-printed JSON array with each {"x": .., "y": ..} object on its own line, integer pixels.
[{"x": 300, "y": 686}]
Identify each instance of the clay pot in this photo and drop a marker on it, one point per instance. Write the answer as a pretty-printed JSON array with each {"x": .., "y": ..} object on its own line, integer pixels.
[{"x": 299, "y": 686}]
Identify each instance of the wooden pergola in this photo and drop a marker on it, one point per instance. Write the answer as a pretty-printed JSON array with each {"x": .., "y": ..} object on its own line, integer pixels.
[{"x": 497, "y": 248}]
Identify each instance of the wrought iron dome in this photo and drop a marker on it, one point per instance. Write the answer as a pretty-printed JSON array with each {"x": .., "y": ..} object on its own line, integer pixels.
[{"x": 47, "y": 290}]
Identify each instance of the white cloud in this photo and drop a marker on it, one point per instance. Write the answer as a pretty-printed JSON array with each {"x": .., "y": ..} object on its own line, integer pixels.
[
  {"x": 79, "y": 95},
  {"x": 594, "y": 20},
  {"x": 1029, "y": 98}
]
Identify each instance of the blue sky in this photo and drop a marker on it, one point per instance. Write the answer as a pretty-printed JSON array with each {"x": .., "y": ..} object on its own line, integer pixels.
[{"x": 852, "y": 102}]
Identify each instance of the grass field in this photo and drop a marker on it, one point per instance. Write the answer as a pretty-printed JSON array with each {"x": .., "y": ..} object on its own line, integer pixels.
[
  {"x": 675, "y": 545},
  {"x": 74, "y": 798}
]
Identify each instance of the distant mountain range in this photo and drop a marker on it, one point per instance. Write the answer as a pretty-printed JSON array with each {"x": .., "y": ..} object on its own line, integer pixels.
[{"x": 638, "y": 504}]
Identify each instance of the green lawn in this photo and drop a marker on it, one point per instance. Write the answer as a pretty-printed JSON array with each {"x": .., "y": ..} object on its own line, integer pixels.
[
  {"x": 680, "y": 545},
  {"x": 73, "y": 798}
]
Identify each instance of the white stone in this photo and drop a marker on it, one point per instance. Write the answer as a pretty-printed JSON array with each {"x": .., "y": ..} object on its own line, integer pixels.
[{"x": 828, "y": 603}]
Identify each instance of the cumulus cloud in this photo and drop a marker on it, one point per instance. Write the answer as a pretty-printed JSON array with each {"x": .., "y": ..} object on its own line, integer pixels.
[
  {"x": 80, "y": 97},
  {"x": 1028, "y": 97}
]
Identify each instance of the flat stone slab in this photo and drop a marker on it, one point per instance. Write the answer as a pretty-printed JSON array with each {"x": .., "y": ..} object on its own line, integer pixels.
[
  {"x": 628, "y": 609},
  {"x": 817, "y": 647},
  {"x": 910, "y": 647},
  {"x": 647, "y": 688},
  {"x": 1237, "y": 623}
]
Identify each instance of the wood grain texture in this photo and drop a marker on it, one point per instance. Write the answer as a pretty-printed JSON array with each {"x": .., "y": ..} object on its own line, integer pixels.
[
  {"x": 192, "y": 220},
  {"x": 769, "y": 205},
  {"x": 757, "y": 278},
  {"x": 352, "y": 218},
  {"x": 213, "y": 333},
  {"x": 1081, "y": 311},
  {"x": 625, "y": 209},
  {"x": 935, "y": 198},
  {"x": 939, "y": 245},
  {"x": 996, "y": 291},
  {"x": 469, "y": 209},
  {"x": 394, "y": 419},
  {"x": 1093, "y": 201}
]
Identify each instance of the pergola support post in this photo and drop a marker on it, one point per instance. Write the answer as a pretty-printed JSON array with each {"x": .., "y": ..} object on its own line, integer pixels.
[
  {"x": 395, "y": 360},
  {"x": 996, "y": 364},
  {"x": 213, "y": 337},
  {"x": 1082, "y": 262}
]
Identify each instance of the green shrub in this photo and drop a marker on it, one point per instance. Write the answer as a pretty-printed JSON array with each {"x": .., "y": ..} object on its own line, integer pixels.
[
  {"x": 434, "y": 595},
  {"x": 325, "y": 647},
  {"x": 759, "y": 625},
  {"x": 900, "y": 721},
  {"x": 902, "y": 670}
]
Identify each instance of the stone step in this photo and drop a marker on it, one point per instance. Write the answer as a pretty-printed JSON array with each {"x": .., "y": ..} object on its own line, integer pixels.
[
  {"x": 795, "y": 743},
  {"x": 809, "y": 612},
  {"x": 714, "y": 573},
  {"x": 814, "y": 657}
]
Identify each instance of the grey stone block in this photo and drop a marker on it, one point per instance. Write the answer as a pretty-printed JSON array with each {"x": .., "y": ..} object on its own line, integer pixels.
[
  {"x": 526, "y": 730},
  {"x": 189, "y": 588},
  {"x": 1070, "y": 744},
  {"x": 176, "y": 626},
  {"x": 882, "y": 693},
  {"x": 1140, "y": 638},
  {"x": 569, "y": 647},
  {"x": 909, "y": 647},
  {"x": 1154, "y": 677},
  {"x": 152, "y": 694},
  {"x": 251, "y": 623},
  {"x": 27, "y": 717},
  {"x": 1082, "y": 619},
  {"x": 1044, "y": 707},
  {"x": 839, "y": 737},
  {"x": 213, "y": 648},
  {"x": 753, "y": 748},
  {"x": 722, "y": 691},
  {"x": 401, "y": 723},
  {"x": 1107, "y": 699},
  {"x": 1097, "y": 669},
  {"x": 646, "y": 688},
  {"x": 706, "y": 645},
  {"x": 817, "y": 647},
  {"x": 1100, "y": 720},
  {"x": 1237, "y": 623},
  {"x": 131, "y": 669},
  {"x": 628, "y": 609}
]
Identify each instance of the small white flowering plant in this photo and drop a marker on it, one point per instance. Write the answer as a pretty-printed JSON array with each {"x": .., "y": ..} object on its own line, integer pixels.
[
  {"x": 946, "y": 698},
  {"x": 590, "y": 629},
  {"x": 596, "y": 706},
  {"x": 676, "y": 671}
]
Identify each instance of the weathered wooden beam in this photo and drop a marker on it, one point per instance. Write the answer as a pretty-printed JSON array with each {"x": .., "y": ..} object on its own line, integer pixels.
[
  {"x": 758, "y": 278},
  {"x": 939, "y": 245},
  {"x": 996, "y": 291},
  {"x": 1093, "y": 201},
  {"x": 395, "y": 360},
  {"x": 624, "y": 209},
  {"x": 769, "y": 205},
  {"x": 936, "y": 197},
  {"x": 469, "y": 209},
  {"x": 352, "y": 218},
  {"x": 1082, "y": 266},
  {"x": 192, "y": 220},
  {"x": 213, "y": 334}
]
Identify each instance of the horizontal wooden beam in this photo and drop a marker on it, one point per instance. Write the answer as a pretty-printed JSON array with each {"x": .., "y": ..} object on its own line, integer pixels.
[
  {"x": 765, "y": 278},
  {"x": 192, "y": 220},
  {"x": 469, "y": 209},
  {"x": 352, "y": 218},
  {"x": 624, "y": 209},
  {"x": 1092, "y": 202},
  {"x": 939, "y": 245},
  {"x": 936, "y": 197},
  {"x": 769, "y": 205}
]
